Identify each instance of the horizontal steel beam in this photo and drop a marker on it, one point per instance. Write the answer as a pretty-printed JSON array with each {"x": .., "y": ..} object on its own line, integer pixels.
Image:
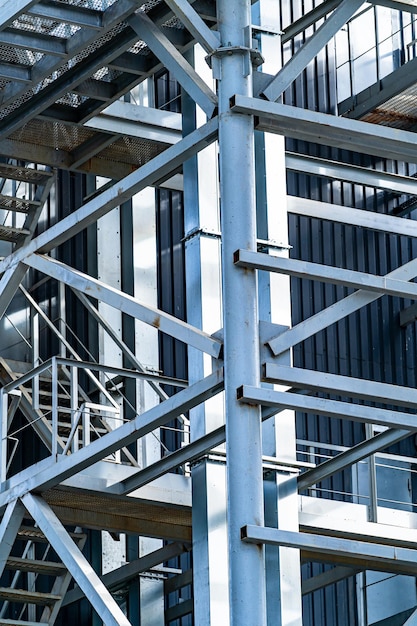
[
  {"x": 121, "y": 301},
  {"x": 69, "y": 14},
  {"x": 328, "y": 130},
  {"x": 335, "y": 170},
  {"x": 330, "y": 408},
  {"x": 335, "y": 312},
  {"x": 64, "y": 82},
  {"x": 49, "y": 474},
  {"x": 326, "y": 273},
  {"x": 361, "y": 554},
  {"x": 75, "y": 44},
  {"x": 123, "y": 118},
  {"x": 19, "y": 73},
  {"x": 335, "y": 384},
  {"x": 53, "y": 46}
]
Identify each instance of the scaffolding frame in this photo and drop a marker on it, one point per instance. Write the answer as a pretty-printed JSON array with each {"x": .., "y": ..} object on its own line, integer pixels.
[{"x": 249, "y": 351}]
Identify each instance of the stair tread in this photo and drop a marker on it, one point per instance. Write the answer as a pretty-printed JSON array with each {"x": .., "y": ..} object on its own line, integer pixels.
[
  {"x": 9, "y": 233},
  {"x": 34, "y": 565},
  {"x": 34, "y": 534},
  {"x": 14, "y": 622},
  {"x": 13, "y": 203},
  {"x": 28, "y": 597}
]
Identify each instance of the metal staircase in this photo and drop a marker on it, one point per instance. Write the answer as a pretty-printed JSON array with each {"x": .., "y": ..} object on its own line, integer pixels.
[
  {"x": 38, "y": 581},
  {"x": 56, "y": 406},
  {"x": 23, "y": 193}
]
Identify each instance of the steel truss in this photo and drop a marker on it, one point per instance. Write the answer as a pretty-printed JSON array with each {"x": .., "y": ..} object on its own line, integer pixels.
[{"x": 68, "y": 80}]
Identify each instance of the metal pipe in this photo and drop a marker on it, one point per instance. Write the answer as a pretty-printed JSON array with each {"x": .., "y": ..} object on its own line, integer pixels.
[{"x": 240, "y": 313}]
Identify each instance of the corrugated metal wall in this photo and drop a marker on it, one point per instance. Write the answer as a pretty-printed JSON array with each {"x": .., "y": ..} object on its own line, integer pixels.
[{"x": 368, "y": 344}]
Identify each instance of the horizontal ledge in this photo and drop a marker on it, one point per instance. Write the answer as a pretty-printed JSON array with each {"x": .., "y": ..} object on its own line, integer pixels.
[
  {"x": 340, "y": 385},
  {"x": 330, "y": 408},
  {"x": 362, "y": 554},
  {"x": 355, "y": 217},
  {"x": 329, "y": 130},
  {"x": 326, "y": 274}
]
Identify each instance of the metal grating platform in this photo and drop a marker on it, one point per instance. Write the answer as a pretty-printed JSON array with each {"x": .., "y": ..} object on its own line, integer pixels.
[{"x": 120, "y": 514}]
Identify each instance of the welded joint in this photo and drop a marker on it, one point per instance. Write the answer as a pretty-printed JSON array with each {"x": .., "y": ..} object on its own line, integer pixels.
[
  {"x": 241, "y": 397},
  {"x": 201, "y": 232}
]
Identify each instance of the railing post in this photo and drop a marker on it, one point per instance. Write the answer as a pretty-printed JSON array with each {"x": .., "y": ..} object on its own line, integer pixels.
[
  {"x": 74, "y": 406},
  {"x": 54, "y": 375},
  {"x": 35, "y": 359},
  {"x": 3, "y": 438}
]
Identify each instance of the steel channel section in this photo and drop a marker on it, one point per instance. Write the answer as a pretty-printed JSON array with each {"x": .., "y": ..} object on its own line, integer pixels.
[
  {"x": 363, "y": 554},
  {"x": 348, "y": 215},
  {"x": 202, "y": 261},
  {"x": 282, "y": 565},
  {"x": 327, "y": 274},
  {"x": 241, "y": 335},
  {"x": 331, "y": 408},
  {"x": 351, "y": 173},
  {"x": 328, "y": 130}
]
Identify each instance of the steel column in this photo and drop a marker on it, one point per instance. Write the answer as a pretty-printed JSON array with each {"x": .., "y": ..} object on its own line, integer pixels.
[
  {"x": 202, "y": 267},
  {"x": 243, "y": 423}
]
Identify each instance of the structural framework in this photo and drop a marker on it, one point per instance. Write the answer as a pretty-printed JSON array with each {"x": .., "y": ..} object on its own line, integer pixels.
[{"x": 208, "y": 353}]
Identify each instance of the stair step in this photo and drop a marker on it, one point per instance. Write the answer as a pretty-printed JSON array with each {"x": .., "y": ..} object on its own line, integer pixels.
[
  {"x": 9, "y": 233},
  {"x": 23, "y": 596},
  {"x": 15, "y": 622},
  {"x": 21, "y": 205},
  {"x": 25, "y": 174},
  {"x": 49, "y": 568},
  {"x": 34, "y": 534}
]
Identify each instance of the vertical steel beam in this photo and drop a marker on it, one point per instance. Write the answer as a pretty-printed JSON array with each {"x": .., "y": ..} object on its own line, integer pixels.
[
  {"x": 240, "y": 302},
  {"x": 202, "y": 264},
  {"x": 3, "y": 435},
  {"x": 283, "y": 575}
]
